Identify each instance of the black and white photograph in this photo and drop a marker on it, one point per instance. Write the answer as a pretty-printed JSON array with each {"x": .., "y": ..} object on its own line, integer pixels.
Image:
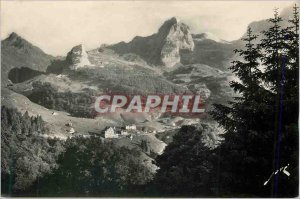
[{"x": 149, "y": 99}]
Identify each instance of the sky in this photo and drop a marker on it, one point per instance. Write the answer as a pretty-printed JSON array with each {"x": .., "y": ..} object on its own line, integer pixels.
[{"x": 57, "y": 26}]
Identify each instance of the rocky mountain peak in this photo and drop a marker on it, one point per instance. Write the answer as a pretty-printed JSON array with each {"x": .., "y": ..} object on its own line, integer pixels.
[
  {"x": 17, "y": 41},
  {"x": 165, "y": 28},
  {"x": 178, "y": 38},
  {"x": 13, "y": 35},
  {"x": 78, "y": 57},
  {"x": 162, "y": 48},
  {"x": 17, "y": 52}
]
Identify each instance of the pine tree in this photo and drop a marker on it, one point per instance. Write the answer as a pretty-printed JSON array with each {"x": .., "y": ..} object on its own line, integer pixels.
[
  {"x": 260, "y": 138},
  {"x": 291, "y": 84},
  {"x": 245, "y": 120},
  {"x": 273, "y": 45},
  {"x": 247, "y": 71},
  {"x": 26, "y": 123},
  {"x": 292, "y": 35},
  {"x": 281, "y": 61},
  {"x": 251, "y": 93}
]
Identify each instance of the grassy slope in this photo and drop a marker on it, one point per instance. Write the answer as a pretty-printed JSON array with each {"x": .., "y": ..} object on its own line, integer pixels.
[{"x": 56, "y": 123}]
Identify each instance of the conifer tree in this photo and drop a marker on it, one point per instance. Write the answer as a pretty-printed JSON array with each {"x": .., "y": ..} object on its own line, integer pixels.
[
  {"x": 273, "y": 45},
  {"x": 242, "y": 158},
  {"x": 291, "y": 84},
  {"x": 260, "y": 138},
  {"x": 281, "y": 62},
  {"x": 247, "y": 71}
]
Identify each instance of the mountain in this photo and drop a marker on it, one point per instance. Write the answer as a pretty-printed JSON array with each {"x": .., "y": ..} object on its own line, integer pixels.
[
  {"x": 78, "y": 57},
  {"x": 178, "y": 38},
  {"x": 259, "y": 26},
  {"x": 174, "y": 44},
  {"x": 208, "y": 36},
  {"x": 67, "y": 84},
  {"x": 63, "y": 90},
  {"x": 16, "y": 52},
  {"x": 209, "y": 50},
  {"x": 162, "y": 48},
  {"x": 127, "y": 68}
]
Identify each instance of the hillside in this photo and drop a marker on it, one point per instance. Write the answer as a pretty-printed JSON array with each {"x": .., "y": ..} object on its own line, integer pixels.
[
  {"x": 55, "y": 120},
  {"x": 62, "y": 90},
  {"x": 210, "y": 51},
  {"x": 16, "y": 52}
]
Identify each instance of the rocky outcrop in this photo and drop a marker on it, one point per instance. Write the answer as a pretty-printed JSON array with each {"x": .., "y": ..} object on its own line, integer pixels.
[
  {"x": 78, "y": 57},
  {"x": 174, "y": 44},
  {"x": 178, "y": 38},
  {"x": 202, "y": 90},
  {"x": 162, "y": 48}
]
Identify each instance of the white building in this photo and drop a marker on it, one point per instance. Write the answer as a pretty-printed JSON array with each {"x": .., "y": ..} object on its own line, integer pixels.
[
  {"x": 132, "y": 127},
  {"x": 110, "y": 133},
  {"x": 124, "y": 133}
]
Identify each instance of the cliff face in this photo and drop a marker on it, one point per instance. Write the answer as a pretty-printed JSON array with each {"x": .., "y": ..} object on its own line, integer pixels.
[
  {"x": 178, "y": 38},
  {"x": 174, "y": 44},
  {"x": 78, "y": 57},
  {"x": 162, "y": 48}
]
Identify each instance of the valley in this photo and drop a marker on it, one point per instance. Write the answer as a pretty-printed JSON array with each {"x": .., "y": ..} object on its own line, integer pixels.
[
  {"x": 63, "y": 90},
  {"x": 127, "y": 99}
]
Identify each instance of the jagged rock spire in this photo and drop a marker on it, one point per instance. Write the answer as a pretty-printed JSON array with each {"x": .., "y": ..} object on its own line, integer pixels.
[
  {"x": 178, "y": 38},
  {"x": 78, "y": 57}
]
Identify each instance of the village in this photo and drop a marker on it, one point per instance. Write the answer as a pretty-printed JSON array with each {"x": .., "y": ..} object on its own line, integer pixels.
[
  {"x": 126, "y": 131},
  {"x": 111, "y": 132},
  {"x": 131, "y": 130}
]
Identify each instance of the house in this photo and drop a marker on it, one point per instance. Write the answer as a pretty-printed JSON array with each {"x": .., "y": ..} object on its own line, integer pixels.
[
  {"x": 132, "y": 127},
  {"x": 110, "y": 133},
  {"x": 124, "y": 132}
]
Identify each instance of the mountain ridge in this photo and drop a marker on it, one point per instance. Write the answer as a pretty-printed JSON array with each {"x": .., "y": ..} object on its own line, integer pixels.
[
  {"x": 161, "y": 48},
  {"x": 172, "y": 45},
  {"x": 17, "y": 52},
  {"x": 260, "y": 25}
]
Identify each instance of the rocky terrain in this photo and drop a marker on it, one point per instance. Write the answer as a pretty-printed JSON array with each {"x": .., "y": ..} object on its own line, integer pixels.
[
  {"x": 78, "y": 57},
  {"x": 61, "y": 90},
  {"x": 174, "y": 44},
  {"x": 56, "y": 137}
]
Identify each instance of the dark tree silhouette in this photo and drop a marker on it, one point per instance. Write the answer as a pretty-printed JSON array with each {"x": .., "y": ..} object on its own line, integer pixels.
[{"x": 261, "y": 124}]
